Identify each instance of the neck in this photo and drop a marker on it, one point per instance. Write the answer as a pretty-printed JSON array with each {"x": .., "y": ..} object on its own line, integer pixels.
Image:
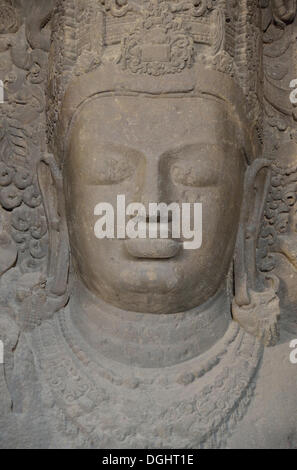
[{"x": 148, "y": 340}]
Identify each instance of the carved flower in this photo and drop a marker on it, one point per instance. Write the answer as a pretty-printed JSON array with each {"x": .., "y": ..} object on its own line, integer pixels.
[
  {"x": 276, "y": 194},
  {"x": 38, "y": 248},
  {"x": 21, "y": 238},
  {"x": 22, "y": 178},
  {"x": 116, "y": 7},
  {"x": 276, "y": 180},
  {"x": 39, "y": 228},
  {"x": 21, "y": 219},
  {"x": 36, "y": 74},
  {"x": 6, "y": 174},
  {"x": 32, "y": 197},
  {"x": 10, "y": 197},
  {"x": 282, "y": 223}
]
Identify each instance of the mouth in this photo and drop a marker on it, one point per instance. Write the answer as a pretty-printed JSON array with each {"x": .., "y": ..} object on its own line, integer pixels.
[{"x": 153, "y": 248}]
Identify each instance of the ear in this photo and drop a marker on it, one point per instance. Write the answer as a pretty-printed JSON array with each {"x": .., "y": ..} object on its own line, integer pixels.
[{"x": 255, "y": 304}]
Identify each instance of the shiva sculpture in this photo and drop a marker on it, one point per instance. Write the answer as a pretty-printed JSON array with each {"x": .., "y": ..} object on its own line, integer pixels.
[{"x": 129, "y": 343}]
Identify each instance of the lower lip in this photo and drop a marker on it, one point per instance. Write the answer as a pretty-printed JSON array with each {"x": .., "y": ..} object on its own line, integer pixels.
[{"x": 153, "y": 249}]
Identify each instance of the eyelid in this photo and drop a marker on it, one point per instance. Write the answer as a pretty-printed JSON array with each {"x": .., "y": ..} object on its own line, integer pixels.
[
  {"x": 190, "y": 166},
  {"x": 189, "y": 174},
  {"x": 114, "y": 169}
]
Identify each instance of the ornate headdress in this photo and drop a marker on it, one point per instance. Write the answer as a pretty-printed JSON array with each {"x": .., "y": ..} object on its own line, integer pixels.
[{"x": 154, "y": 46}]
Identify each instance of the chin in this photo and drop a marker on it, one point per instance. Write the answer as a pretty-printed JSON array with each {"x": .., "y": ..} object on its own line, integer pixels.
[{"x": 149, "y": 303}]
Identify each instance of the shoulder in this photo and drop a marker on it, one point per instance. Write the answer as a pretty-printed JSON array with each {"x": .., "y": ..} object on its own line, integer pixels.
[{"x": 271, "y": 419}]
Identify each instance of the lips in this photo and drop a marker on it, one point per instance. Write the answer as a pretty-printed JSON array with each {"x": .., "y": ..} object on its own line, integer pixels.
[{"x": 153, "y": 248}]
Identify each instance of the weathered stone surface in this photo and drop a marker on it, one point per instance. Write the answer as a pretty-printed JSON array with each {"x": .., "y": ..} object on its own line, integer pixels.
[{"x": 120, "y": 343}]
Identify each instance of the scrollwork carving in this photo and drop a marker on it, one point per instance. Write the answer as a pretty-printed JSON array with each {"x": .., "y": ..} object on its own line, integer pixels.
[
  {"x": 284, "y": 11},
  {"x": 9, "y": 18},
  {"x": 117, "y": 8}
]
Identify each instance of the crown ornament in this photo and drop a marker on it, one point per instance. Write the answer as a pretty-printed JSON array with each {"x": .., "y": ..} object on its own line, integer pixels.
[
  {"x": 163, "y": 40},
  {"x": 121, "y": 7},
  {"x": 159, "y": 43},
  {"x": 156, "y": 38}
]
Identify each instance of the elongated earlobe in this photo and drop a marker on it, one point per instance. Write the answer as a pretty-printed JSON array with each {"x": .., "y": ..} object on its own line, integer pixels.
[
  {"x": 256, "y": 304},
  {"x": 51, "y": 182},
  {"x": 50, "y": 294}
]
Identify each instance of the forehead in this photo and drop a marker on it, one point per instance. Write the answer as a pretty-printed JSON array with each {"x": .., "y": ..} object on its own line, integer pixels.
[{"x": 147, "y": 123}]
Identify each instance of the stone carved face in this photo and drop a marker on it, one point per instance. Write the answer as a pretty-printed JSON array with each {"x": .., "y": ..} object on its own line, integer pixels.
[{"x": 162, "y": 149}]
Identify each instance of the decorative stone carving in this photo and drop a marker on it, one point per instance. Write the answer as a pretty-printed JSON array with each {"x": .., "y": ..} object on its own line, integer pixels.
[
  {"x": 9, "y": 19},
  {"x": 159, "y": 44},
  {"x": 160, "y": 100}
]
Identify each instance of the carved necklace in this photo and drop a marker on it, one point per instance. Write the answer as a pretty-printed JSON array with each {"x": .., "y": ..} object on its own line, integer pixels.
[{"x": 105, "y": 404}]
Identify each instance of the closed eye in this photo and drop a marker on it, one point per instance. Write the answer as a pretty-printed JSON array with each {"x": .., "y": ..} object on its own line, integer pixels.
[
  {"x": 113, "y": 169},
  {"x": 191, "y": 174},
  {"x": 192, "y": 166},
  {"x": 112, "y": 165}
]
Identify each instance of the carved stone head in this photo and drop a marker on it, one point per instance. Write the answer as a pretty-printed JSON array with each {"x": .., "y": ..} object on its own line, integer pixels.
[{"x": 160, "y": 101}]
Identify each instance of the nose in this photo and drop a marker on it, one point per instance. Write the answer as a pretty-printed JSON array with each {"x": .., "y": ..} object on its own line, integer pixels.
[{"x": 151, "y": 191}]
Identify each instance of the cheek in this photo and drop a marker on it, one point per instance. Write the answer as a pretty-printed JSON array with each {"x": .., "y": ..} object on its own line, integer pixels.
[{"x": 221, "y": 217}]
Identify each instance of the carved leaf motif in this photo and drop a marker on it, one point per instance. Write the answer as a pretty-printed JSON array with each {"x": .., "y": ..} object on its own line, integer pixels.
[{"x": 14, "y": 145}]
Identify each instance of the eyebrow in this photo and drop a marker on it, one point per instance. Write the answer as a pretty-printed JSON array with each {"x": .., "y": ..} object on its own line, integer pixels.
[
  {"x": 121, "y": 148},
  {"x": 189, "y": 146}
]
